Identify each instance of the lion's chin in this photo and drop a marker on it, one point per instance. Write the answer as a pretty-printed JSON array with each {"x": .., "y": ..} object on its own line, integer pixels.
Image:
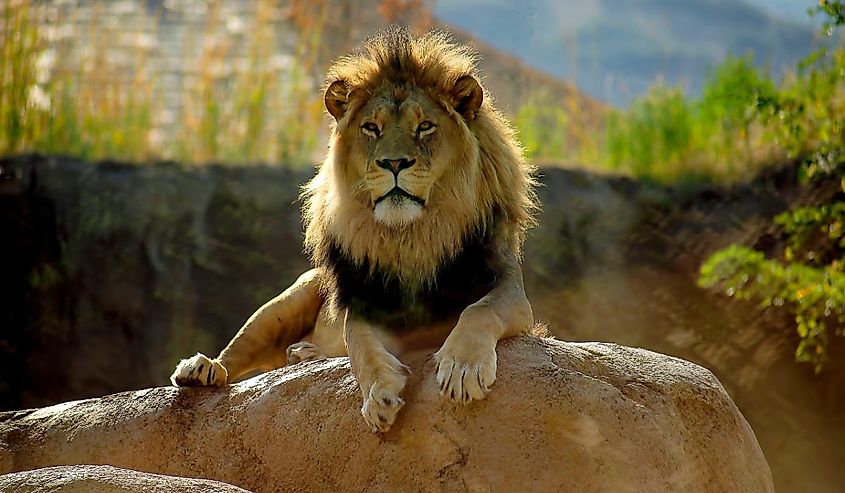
[{"x": 396, "y": 213}]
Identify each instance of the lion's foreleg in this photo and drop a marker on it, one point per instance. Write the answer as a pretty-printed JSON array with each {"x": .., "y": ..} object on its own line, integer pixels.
[
  {"x": 466, "y": 363},
  {"x": 262, "y": 341},
  {"x": 380, "y": 375}
]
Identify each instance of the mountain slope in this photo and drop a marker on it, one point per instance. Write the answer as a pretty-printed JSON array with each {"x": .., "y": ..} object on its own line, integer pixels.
[{"x": 616, "y": 50}]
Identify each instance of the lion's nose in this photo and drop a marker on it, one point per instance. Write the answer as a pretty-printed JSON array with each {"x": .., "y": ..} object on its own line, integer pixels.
[{"x": 395, "y": 165}]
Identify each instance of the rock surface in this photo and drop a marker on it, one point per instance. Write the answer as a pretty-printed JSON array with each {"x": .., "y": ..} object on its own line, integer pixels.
[
  {"x": 561, "y": 417},
  {"x": 106, "y": 479}
]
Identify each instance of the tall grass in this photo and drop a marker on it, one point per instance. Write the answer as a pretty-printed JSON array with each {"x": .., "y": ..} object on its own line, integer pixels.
[
  {"x": 92, "y": 110},
  {"x": 20, "y": 47},
  {"x": 93, "y": 107},
  {"x": 741, "y": 122},
  {"x": 543, "y": 129},
  {"x": 719, "y": 136},
  {"x": 559, "y": 132},
  {"x": 268, "y": 111},
  {"x": 68, "y": 96},
  {"x": 655, "y": 133}
]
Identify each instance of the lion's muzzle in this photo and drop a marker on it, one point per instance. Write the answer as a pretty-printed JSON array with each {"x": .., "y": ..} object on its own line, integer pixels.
[{"x": 397, "y": 194}]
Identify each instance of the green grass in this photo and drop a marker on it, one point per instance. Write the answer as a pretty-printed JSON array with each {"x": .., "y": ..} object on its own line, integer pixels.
[
  {"x": 542, "y": 130},
  {"x": 742, "y": 122},
  {"x": 720, "y": 136}
]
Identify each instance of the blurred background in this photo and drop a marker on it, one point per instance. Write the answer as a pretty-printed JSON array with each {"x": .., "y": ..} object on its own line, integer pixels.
[{"x": 692, "y": 166}]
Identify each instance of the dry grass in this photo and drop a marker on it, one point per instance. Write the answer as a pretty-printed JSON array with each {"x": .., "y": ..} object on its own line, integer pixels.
[{"x": 95, "y": 93}]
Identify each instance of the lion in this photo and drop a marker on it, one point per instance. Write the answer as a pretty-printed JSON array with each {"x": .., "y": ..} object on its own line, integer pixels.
[{"x": 414, "y": 224}]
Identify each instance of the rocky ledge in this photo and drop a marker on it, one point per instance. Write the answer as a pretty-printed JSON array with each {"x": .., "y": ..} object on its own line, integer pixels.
[
  {"x": 561, "y": 417},
  {"x": 106, "y": 479}
]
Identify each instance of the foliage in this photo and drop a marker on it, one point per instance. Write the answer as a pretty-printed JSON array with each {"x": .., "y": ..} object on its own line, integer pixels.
[
  {"x": 728, "y": 109},
  {"x": 655, "y": 133},
  {"x": 741, "y": 122},
  {"x": 559, "y": 129},
  {"x": 814, "y": 294},
  {"x": 835, "y": 12},
  {"x": 807, "y": 118},
  {"x": 94, "y": 110},
  {"x": 669, "y": 137},
  {"x": 542, "y": 130}
]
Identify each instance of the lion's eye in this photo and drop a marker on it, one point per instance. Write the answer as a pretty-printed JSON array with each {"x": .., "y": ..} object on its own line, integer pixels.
[
  {"x": 425, "y": 128},
  {"x": 371, "y": 129}
]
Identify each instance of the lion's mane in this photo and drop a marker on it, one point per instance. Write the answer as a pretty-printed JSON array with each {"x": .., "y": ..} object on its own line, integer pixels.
[{"x": 495, "y": 191}]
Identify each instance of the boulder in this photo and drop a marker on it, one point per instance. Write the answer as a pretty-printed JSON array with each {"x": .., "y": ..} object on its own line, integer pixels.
[
  {"x": 561, "y": 417},
  {"x": 106, "y": 479}
]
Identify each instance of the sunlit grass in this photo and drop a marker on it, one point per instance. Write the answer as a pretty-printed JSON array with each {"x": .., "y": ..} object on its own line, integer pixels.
[
  {"x": 742, "y": 122},
  {"x": 68, "y": 97},
  {"x": 19, "y": 50}
]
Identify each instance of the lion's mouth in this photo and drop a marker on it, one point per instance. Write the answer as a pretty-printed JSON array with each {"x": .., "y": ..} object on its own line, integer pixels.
[{"x": 397, "y": 194}]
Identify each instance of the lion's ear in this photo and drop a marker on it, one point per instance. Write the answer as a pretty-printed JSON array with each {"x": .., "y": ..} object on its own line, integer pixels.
[
  {"x": 336, "y": 98},
  {"x": 468, "y": 96}
]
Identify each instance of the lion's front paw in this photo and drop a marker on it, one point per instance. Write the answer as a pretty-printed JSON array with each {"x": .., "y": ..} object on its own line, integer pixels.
[
  {"x": 466, "y": 369},
  {"x": 382, "y": 405},
  {"x": 199, "y": 371},
  {"x": 381, "y": 386},
  {"x": 303, "y": 351}
]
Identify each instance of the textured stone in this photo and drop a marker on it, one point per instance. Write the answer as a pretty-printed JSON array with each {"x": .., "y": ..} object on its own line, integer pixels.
[
  {"x": 561, "y": 417},
  {"x": 106, "y": 479}
]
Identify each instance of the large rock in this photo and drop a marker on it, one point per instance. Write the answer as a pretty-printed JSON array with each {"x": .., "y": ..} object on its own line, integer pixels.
[
  {"x": 106, "y": 479},
  {"x": 561, "y": 417}
]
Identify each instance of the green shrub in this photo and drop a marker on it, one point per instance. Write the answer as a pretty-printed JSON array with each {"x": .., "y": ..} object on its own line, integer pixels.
[
  {"x": 718, "y": 137},
  {"x": 806, "y": 117},
  {"x": 814, "y": 294}
]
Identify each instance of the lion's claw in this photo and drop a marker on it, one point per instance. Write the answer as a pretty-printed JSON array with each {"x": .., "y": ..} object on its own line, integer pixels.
[
  {"x": 464, "y": 376},
  {"x": 381, "y": 407},
  {"x": 199, "y": 371}
]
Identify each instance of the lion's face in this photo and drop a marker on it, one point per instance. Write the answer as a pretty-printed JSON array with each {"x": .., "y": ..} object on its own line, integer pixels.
[
  {"x": 401, "y": 144},
  {"x": 400, "y": 154}
]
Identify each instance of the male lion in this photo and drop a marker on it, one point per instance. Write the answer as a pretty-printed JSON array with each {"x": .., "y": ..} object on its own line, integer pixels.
[{"x": 414, "y": 224}]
